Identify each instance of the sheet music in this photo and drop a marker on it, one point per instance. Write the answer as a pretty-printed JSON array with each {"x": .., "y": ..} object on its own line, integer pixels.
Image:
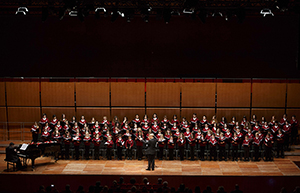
[{"x": 24, "y": 146}]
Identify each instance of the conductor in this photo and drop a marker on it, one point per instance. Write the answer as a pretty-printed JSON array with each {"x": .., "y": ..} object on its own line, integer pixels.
[
  {"x": 11, "y": 155},
  {"x": 150, "y": 151}
]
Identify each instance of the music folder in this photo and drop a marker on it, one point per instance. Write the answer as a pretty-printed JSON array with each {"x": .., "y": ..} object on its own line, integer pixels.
[{"x": 24, "y": 146}]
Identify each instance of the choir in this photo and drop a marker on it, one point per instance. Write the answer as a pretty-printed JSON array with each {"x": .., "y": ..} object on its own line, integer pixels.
[{"x": 245, "y": 140}]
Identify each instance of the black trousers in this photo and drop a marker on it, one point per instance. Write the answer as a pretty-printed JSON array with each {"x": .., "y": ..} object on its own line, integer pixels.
[
  {"x": 151, "y": 162},
  {"x": 140, "y": 151},
  {"x": 234, "y": 152},
  {"x": 181, "y": 152},
  {"x": 67, "y": 151},
  {"x": 202, "y": 151},
  {"x": 171, "y": 152},
  {"x": 246, "y": 152},
  {"x": 213, "y": 152},
  {"x": 129, "y": 153},
  {"x": 87, "y": 152},
  {"x": 119, "y": 152},
  {"x": 161, "y": 152},
  {"x": 286, "y": 141},
  {"x": 227, "y": 150},
  {"x": 96, "y": 151},
  {"x": 35, "y": 137},
  {"x": 108, "y": 153},
  {"x": 18, "y": 163},
  {"x": 76, "y": 152},
  {"x": 294, "y": 134},
  {"x": 222, "y": 152},
  {"x": 280, "y": 149},
  {"x": 192, "y": 150},
  {"x": 256, "y": 152},
  {"x": 268, "y": 153}
]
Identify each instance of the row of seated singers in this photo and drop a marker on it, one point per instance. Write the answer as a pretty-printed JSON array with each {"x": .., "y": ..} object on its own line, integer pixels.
[{"x": 227, "y": 141}]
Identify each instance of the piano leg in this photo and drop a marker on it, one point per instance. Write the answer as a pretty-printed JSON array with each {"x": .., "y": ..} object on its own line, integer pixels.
[
  {"x": 25, "y": 162},
  {"x": 32, "y": 164}
]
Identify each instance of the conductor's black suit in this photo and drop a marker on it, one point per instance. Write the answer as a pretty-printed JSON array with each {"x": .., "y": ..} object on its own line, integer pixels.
[{"x": 150, "y": 152}]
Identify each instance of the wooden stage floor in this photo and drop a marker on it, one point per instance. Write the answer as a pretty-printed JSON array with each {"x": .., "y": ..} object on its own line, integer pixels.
[{"x": 46, "y": 165}]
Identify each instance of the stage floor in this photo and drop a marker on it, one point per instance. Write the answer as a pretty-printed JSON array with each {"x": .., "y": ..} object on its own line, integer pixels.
[{"x": 46, "y": 165}]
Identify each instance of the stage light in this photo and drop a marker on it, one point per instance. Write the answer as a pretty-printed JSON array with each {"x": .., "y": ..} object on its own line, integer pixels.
[
  {"x": 73, "y": 12},
  {"x": 98, "y": 10},
  {"x": 22, "y": 10},
  {"x": 266, "y": 11},
  {"x": 217, "y": 13},
  {"x": 115, "y": 14},
  {"x": 189, "y": 11}
]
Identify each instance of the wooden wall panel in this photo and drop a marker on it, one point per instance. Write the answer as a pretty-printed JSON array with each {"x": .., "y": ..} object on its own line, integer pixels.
[
  {"x": 291, "y": 112},
  {"x": 229, "y": 113},
  {"x": 2, "y": 93},
  {"x": 293, "y": 93},
  {"x": 19, "y": 131},
  {"x": 15, "y": 131},
  {"x": 128, "y": 112},
  {"x": 88, "y": 113},
  {"x": 58, "y": 111},
  {"x": 268, "y": 113},
  {"x": 23, "y": 93},
  {"x": 163, "y": 94},
  {"x": 198, "y": 94},
  {"x": 57, "y": 93},
  {"x": 233, "y": 94},
  {"x": 3, "y": 114},
  {"x": 127, "y": 94},
  {"x": 188, "y": 113},
  {"x": 161, "y": 112},
  {"x": 23, "y": 114},
  {"x": 268, "y": 94},
  {"x": 92, "y": 94}
]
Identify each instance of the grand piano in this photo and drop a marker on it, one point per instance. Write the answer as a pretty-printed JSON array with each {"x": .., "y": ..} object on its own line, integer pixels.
[{"x": 35, "y": 150}]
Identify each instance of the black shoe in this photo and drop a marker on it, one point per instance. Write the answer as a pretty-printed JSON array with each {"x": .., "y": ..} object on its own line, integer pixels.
[
  {"x": 153, "y": 169},
  {"x": 148, "y": 169}
]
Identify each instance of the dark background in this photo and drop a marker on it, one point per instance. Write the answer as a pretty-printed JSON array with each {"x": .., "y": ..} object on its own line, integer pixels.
[{"x": 257, "y": 48}]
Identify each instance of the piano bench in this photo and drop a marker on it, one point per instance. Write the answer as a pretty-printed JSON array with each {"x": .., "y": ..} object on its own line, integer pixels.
[{"x": 10, "y": 163}]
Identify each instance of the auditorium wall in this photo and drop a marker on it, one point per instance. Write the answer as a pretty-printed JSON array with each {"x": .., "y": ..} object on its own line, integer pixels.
[{"x": 27, "y": 100}]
